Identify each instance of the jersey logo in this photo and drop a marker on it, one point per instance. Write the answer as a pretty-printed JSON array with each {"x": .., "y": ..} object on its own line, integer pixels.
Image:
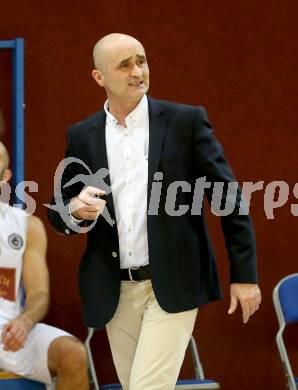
[
  {"x": 8, "y": 284},
  {"x": 15, "y": 241}
]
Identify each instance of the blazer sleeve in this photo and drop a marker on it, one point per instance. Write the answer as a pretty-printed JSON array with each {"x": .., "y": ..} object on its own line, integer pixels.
[
  {"x": 58, "y": 212},
  {"x": 237, "y": 229}
]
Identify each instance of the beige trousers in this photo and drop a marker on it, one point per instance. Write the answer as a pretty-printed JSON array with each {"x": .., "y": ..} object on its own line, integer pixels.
[{"x": 148, "y": 344}]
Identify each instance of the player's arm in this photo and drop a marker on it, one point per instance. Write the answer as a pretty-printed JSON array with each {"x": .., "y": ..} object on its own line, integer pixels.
[{"x": 35, "y": 279}]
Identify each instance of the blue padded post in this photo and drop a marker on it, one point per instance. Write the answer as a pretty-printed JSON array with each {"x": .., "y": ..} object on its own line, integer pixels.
[
  {"x": 18, "y": 114},
  {"x": 7, "y": 44}
]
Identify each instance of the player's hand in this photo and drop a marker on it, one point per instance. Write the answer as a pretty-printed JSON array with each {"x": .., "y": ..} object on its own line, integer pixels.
[
  {"x": 249, "y": 296},
  {"x": 88, "y": 205},
  {"x": 14, "y": 334}
]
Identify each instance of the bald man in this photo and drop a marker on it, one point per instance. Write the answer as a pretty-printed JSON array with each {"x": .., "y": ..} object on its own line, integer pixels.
[
  {"x": 27, "y": 347},
  {"x": 148, "y": 268}
]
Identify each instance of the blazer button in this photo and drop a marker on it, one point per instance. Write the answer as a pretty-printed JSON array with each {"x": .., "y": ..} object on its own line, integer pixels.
[{"x": 114, "y": 254}]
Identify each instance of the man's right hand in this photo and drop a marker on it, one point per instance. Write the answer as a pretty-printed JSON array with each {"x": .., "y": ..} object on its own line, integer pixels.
[
  {"x": 15, "y": 334},
  {"x": 88, "y": 204}
]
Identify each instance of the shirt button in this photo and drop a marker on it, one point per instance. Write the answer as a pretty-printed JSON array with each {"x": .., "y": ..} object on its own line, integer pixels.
[
  {"x": 130, "y": 253},
  {"x": 114, "y": 254}
]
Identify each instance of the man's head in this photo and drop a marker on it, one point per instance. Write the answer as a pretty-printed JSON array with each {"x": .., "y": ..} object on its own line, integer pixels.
[
  {"x": 5, "y": 173},
  {"x": 121, "y": 67}
]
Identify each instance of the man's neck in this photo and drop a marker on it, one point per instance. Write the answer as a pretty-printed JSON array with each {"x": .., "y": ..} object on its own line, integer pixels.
[{"x": 120, "y": 110}]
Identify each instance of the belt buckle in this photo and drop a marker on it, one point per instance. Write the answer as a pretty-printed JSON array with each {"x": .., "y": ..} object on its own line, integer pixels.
[{"x": 130, "y": 275}]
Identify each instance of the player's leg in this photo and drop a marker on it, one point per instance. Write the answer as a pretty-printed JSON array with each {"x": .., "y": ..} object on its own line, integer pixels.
[
  {"x": 67, "y": 359},
  {"x": 49, "y": 352}
]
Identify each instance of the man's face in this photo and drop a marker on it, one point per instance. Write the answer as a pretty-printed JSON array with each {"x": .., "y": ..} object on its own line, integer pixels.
[{"x": 125, "y": 72}]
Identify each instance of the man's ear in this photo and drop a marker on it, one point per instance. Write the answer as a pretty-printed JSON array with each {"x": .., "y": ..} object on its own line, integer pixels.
[
  {"x": 7, "y": 174},
  {"x": 98, "y": 77}
]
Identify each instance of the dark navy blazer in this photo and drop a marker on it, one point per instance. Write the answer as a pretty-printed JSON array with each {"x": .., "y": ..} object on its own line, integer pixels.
[{"x": 182, "y": 263}]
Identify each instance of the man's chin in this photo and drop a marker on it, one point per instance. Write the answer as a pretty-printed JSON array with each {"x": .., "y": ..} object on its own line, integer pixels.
[{"x": 138, "y": 93}]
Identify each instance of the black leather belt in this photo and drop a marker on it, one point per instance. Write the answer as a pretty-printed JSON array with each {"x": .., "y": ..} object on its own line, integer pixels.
[{"x": 135, "y": 274}]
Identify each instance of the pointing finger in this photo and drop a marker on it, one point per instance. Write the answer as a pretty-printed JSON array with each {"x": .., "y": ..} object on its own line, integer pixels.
[
  {"x": 245, "y": 311},
  {"x": 233, "y": 304},
  {"x": 93, "y": 191}
]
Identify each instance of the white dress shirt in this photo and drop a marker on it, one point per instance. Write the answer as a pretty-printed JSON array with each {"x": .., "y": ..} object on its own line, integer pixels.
[{"x": 127, "y": 152}]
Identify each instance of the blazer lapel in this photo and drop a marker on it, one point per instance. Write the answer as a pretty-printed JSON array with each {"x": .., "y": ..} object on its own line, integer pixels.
[
  {"x": 157, "y": 131},
  {"x": 98, "y": 155}
]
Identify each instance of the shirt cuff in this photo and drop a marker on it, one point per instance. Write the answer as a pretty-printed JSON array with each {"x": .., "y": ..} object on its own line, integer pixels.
[{"x": 73, "y": 220}]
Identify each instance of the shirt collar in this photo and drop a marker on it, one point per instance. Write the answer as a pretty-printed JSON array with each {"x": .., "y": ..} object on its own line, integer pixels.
[{"x": 140, "y": 113}]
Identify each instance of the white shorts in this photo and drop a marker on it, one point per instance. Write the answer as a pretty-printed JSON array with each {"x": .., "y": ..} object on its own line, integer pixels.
[{"x": 32, "y": 360}]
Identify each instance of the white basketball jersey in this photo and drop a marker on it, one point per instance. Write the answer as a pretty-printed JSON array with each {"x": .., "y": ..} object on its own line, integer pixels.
[{"x": 13, "y": 231}]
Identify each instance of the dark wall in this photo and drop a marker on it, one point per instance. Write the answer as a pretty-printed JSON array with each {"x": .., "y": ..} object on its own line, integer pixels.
[{"x": 239, "y": 60}]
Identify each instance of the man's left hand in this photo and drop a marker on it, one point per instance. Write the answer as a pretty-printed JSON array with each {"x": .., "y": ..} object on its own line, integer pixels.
[
  {"x": 249, "y": 296},
  {"x": 14, "y": 334}
]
